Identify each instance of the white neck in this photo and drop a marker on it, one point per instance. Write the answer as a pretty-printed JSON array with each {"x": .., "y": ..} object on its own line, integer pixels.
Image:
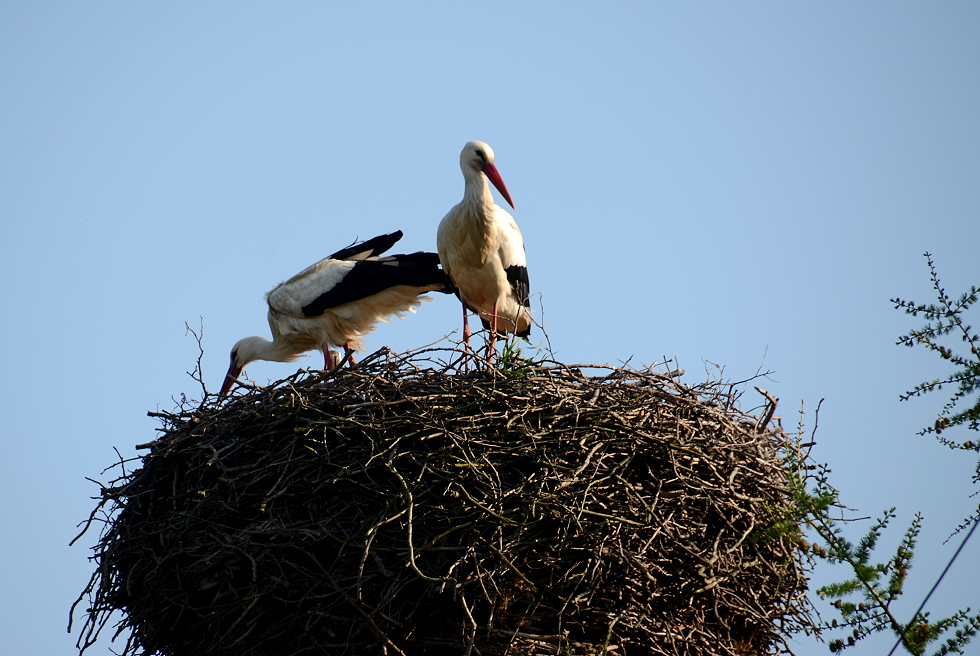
[
  {"x": 477, "y": 200},
  {"x": 259, "y": 348}
]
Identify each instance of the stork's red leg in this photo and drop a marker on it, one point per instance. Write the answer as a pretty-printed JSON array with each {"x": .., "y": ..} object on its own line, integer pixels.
[
  {"x": 466, "y": 338},
  {"x": 328, "y": 362},
  {"x": 349, "y": 354},
  {"x": 492, "y": 342}
]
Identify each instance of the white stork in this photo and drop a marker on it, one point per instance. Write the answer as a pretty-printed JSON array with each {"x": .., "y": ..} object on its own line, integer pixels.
[
  {"x": 482, "y": 251},
  {"x": 337, "y": 301}
]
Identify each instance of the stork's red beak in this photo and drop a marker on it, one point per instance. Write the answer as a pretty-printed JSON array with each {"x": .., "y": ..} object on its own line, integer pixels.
[
  {"x": 494, "y": 176},
  {"x": 230, "y": 379}
]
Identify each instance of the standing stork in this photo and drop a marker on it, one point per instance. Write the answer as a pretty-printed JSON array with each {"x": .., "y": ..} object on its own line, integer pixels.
[
  {"x": 482, "y": 251},
  {"x": 337, "y": 301}
]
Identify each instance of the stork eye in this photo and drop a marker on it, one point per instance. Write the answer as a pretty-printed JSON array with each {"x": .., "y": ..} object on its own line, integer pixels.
[
  {"x": 234, "y": 356},
  {"x": 481, "y": 155}
]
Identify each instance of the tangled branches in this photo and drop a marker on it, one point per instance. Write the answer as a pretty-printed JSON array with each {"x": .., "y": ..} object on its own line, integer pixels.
[{"x": 397, "y": 508}]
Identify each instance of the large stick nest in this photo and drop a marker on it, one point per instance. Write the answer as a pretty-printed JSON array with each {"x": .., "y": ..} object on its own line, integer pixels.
[{"x": 398, "y": 508}]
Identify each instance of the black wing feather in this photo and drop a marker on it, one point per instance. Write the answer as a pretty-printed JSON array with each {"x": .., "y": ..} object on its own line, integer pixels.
[
  {"x": 373, "y": 276},
  {"x": 377, "y": 246},
  {"x": 517, "y": 277}
]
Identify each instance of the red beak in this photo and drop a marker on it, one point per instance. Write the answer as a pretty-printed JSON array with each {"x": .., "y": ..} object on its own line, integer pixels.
[
  {"x": 493, "y": 176},
  {"x": 230, "y": 379}
]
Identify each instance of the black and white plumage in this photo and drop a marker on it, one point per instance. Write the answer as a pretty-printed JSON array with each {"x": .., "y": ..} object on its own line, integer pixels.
[
  {"x": 482, "y": 250},
  {"x": 338, "y": 300}
]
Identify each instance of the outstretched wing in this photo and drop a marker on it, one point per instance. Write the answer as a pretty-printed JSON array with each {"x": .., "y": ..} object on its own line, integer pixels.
[{"x": 368, "y": 277}]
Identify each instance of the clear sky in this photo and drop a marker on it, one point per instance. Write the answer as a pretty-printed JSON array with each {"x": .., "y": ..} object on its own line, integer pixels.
[{"x": 740, "y": 184}]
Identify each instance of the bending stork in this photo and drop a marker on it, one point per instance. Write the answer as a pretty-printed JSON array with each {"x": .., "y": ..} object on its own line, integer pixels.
[
  {"x": 482, "y": 251},
  {"x": 337, "y": 301}
]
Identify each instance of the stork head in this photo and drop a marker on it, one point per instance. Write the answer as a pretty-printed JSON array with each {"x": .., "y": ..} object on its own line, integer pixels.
[
  {"x": 478, "y": 156},
  {"x": 244, "y": 351}
]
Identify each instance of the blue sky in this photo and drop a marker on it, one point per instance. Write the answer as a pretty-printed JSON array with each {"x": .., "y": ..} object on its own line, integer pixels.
[{"x": 735, "y": 184}]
